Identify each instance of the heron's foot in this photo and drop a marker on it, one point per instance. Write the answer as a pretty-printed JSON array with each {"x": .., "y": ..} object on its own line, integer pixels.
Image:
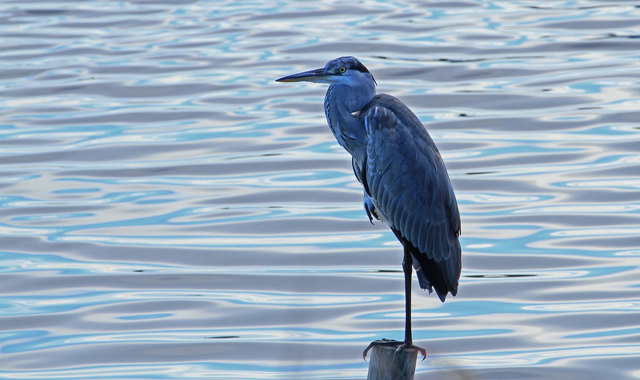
[
  {"x": 400, "y": 345},
  {"x": 383, "y": 342},
  {"x": 409, "y": 346},
  {"x": 369, "y": 208}
]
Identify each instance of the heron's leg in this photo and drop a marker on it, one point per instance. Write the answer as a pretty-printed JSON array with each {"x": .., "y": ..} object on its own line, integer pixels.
[
  {"x": 407, "y": 268},
  {"x": 408, "y": 340}
]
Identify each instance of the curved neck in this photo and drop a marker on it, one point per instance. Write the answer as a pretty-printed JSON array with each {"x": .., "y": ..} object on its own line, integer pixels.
[{"x": 342, "y": 105}]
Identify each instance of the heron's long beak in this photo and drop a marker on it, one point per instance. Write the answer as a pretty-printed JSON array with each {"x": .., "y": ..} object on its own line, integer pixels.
[{"x": 317, "y": 75}]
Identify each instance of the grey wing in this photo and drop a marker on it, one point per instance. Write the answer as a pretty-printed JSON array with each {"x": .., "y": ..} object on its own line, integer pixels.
[{"x": 410, "y": 188}]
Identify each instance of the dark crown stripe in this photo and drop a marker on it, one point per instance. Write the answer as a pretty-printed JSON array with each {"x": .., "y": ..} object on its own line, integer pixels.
[{"x": 360, "y": 67}]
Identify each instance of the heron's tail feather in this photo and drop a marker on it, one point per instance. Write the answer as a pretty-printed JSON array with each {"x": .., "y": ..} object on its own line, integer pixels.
[
  {"x": 422, "y": 280},
  {"x": 443, "y": 275},
  {"x": 426, "y": 285}
]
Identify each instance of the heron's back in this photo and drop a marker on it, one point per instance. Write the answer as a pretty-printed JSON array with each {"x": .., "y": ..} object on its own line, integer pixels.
[{"x": 407, "y": 180}]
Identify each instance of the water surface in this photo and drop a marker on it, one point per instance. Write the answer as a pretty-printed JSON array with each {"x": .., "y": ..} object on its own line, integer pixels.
[{"x": 170, "y": 212}]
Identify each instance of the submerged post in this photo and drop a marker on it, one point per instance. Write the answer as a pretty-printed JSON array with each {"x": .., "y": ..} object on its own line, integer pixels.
[{"x": 387, "y": 364}]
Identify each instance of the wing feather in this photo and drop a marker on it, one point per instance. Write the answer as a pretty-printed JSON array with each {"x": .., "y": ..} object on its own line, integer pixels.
[{"x": 410, "y": 188}]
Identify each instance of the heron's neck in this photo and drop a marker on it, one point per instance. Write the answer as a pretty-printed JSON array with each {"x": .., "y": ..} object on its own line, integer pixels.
[{"x": 342, "y": 106}]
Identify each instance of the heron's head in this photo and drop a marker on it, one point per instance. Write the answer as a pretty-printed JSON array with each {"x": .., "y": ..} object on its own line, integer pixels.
[{"x": 343, "y": 70}]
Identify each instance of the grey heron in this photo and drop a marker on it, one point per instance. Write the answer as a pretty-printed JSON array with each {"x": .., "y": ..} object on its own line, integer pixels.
[{"x": 403, "y": 175}]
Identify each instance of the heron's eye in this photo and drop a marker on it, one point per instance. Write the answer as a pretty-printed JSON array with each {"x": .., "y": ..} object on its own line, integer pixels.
[{"x": 342, "y": 69}]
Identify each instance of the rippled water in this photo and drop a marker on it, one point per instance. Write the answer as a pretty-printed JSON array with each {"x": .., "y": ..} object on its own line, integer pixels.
[{"x": 169, "y": 211}]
